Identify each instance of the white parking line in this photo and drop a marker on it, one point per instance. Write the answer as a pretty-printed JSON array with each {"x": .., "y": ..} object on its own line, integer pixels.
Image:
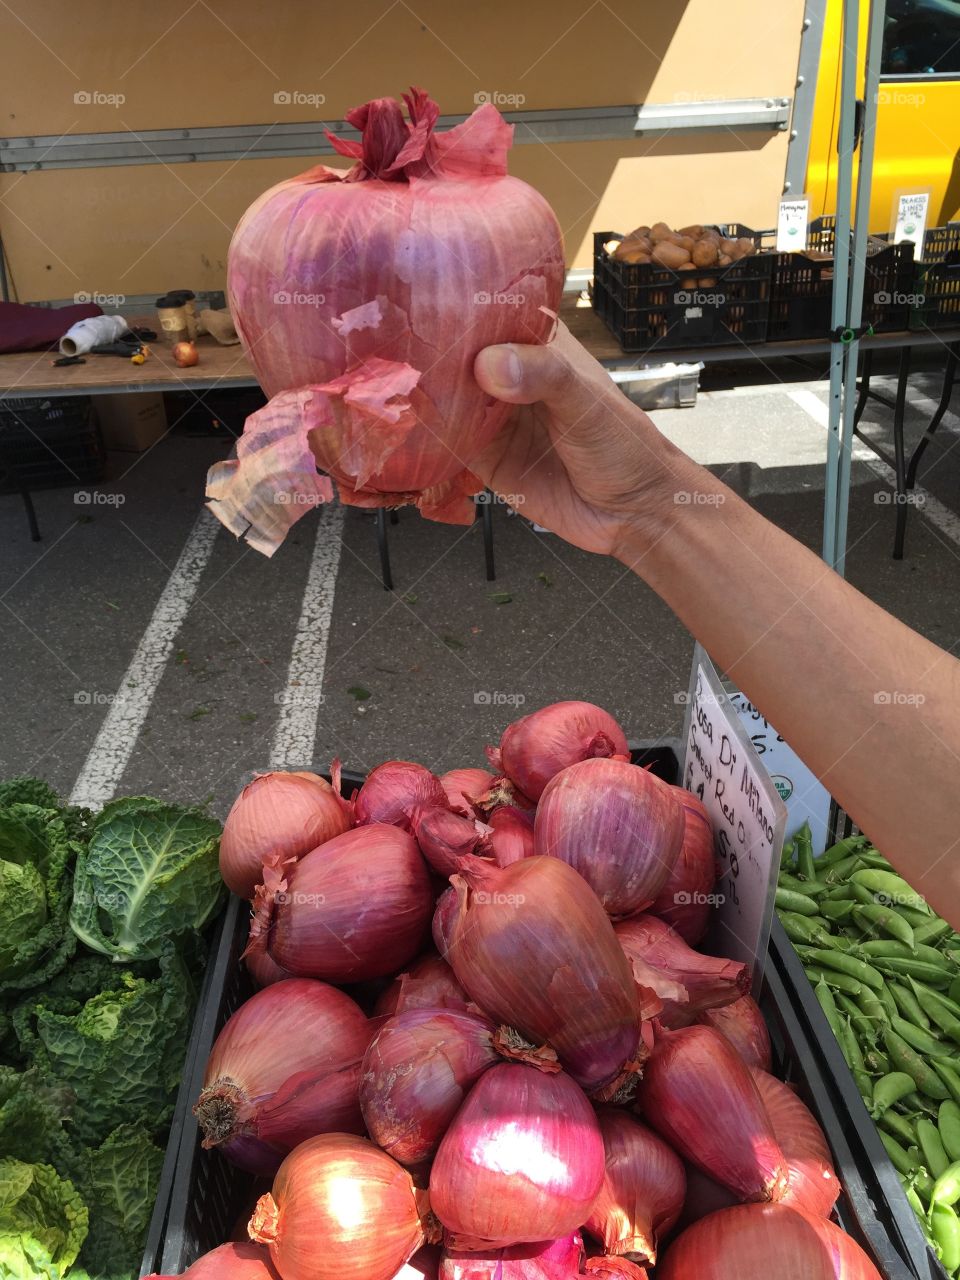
[
  {"x": 301, "y": 700},
  {"x": 118, "y": 734},
  {"x": 931, "y": 508}
]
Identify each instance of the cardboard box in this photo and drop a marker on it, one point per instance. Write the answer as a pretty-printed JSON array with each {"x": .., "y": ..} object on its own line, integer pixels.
[{"x": 131, "y": 421}]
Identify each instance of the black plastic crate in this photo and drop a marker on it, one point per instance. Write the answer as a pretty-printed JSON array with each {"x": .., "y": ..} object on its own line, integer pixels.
[
  {"x": 894, "y": 1216},
  {"x": 647, "y": 306},
  {"x": 801, "y": 297},
  {"x": 209, "y": 1196},
  {"x": 937, "y": 280},
  {"x": 49, "y": 443}
]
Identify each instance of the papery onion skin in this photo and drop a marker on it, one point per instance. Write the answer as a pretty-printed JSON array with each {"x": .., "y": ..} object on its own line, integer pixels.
[
  {"x": 356, "y": 908},
  {"x": 463, "y": 786},
  {"x": 744, "y": 1026},
  {"x": 765, "y": 1240},
  {"x": 276, "y": 818},
  {"x": 429, "y": 983},
  {"x": 393, "y": 791},
  {"x": 643, "y": 1188},
  {"x": 524, "y": 1149},
  {"x": 417, "y": 1072},
  {"x": 238, "y": 1261},
  {"x": 699, "y": 1095},
  {"x": 686, "y": 900},
  {"x": 414, "y": 260},
  {"x": 532, "y": 946},
  {"x": 340, "y": 1209},
  {"x": 444, "y": 917},
  {"x": 511, "y": 837},
  {"x": 445, "y": 837},
  {"x": 539, "y": 745},
  {"x": 812, "y": 1183},
  {"x": 268, "y": 1085},
  {"x": 264, "y": 970},
  {"x": 707, "y": 982},
  {"x": 618, "y": 825},
  {"x": 544, "y": 1260}
]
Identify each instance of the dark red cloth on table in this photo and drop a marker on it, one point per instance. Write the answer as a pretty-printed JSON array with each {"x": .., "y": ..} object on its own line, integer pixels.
[{"x": 26, "y": 328}]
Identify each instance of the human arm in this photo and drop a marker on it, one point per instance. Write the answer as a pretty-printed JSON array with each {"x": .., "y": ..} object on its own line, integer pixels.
[{"x": 813, "y": 653}]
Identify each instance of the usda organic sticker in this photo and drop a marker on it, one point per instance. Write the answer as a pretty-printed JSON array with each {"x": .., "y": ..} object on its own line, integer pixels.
[{"x": 784, "y": 786}]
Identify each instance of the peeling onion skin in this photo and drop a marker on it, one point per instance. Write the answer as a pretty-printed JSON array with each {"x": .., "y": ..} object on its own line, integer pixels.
[
  {"x": 415, "y": 1075},
  {"x": 684, "y": 901},
  {"x": 429, "y": 983},
  {"x": 743, "y": 1025},
  {"x": 643, "y": 1188},
  {"x": 524, "y": 1149},
  {"x": 237, "y": 1261},
  {"x": 699, "y": 1095},
  {"x": 616, "y": 824},
  {"x": 340, "y": 1209},
  {"x": 760, "y": 1240},
  {"x": 415, "y": 269},
  {"x": 463, "y": 786},
  {"x": 812, "y": 1183},
  {"x": 533, "y": 948},
  {"x": 276, "y": 818},
  {"x": 543, "y": 1260},
  {"x": 356, "y": 908},
  {"x": 538, "y": 746}
]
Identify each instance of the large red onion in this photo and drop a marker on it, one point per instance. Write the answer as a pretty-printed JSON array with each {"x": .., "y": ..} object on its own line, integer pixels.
[
  {"x": 463, "y": 786},
  {"x": 619, "y": 826},
  {"x": 429, "y": 983},
  {"x": 744, "y": 1026},
  {"x": 356, "y": 908},
  {"x": 661, "y": 959},
  {"x": 523, "y": 1154},
  {"x": 446, "y": 837},
  {"x": 362, "y": 299},
  {"x": 394, "y": 791},
  {"x": 760, "y": 1240},
  {"x": 243, "y": 1261},
  {"x": 416, "y": 1074},
  {"x": 811, "y": 1181},
  {"x": 534, "y": 948},
  {"x": 686, "y": 901},
  {"x": 704, "y": 1196},
  {"x": 545, "y": 1260},
  {"x": 643, "y": 1188},
  {"x": 268, "y": 1086},
  {"x": 511, "y": 835},
  {"x": 698, "y": 1093},
  {"x": 536, "y": 747},
  {"x": 340, "y": 1209},
  {"x": 444, "y": 918},
  {"x": 263, "y": 970},
  {"x": 276, "y": 818}
]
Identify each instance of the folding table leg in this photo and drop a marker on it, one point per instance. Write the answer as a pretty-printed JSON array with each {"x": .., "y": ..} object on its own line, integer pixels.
[
  {"x": 385, "y": 573},
  {"x": 949, "y": 374},
  {"x": 31, "y": 515},
  {"x": 903, "y": 378},
  {"x": 866, "y": 368},
  {"x": 488, "y": 540}
]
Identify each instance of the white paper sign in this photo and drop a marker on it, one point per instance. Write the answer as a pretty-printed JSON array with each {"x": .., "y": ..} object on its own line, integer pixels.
[
  {"x": 911, "y": 217},
  {"x": 792, "y": 221},
  {"x": 805, "y": 796},
  {"x": 723, "y": 770}
]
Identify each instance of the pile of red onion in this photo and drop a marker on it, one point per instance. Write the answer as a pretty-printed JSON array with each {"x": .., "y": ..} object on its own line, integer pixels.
[{"x": 534, "y": 1073}]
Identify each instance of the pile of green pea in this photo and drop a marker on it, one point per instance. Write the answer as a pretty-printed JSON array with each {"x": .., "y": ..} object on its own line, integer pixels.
[{"x": 886, "y": 972}]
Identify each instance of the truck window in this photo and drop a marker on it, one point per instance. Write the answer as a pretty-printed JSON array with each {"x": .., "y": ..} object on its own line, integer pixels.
[{"x": 922, "y": 38}]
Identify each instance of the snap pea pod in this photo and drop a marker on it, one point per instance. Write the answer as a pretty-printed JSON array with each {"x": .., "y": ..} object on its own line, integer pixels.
[
  {"x": 842, "y": 870},
  {"x": 850, "y": 1048},
  {"x": 786, "y": 854},
  {"x": 842, "y": 849},
  {"x": 946, "y": 1189},
  {"x": 888, "y": 1090},
  {"x": 915, "y": 1104},
  {"x": 828, "y": 1004},
  {"x": 877, "y": 1063},
  {"x": 804, "y": 843},
  {"x": 802, "y": 928},
  {"x": 789, "y": 900},
  {"x": 839, "y": 981},
  {"x": 948, "y": 1122},
  {"x": 912, "y": 916},
  {"x": 945, "y": 1229},
  {"x": 939, "y": 1009},
  {"x": 914, "y": 1201},
  {"x": 906, "y": 1059},
  {"x": 877, "y": 1007},
  {"x": 887, "y": 886},
  {"x": 839, "y": 909},
  {"x": 908, "y": 1004},
  {"x": 863, "y": 1025},
  {"x": 934, "y": 1155},
  {"x": 885, "y": 920},
  {"x": 863, "y": 896},
  {"x": 906, "y": 1161},
  {"x": 840, "y": 893},
  {"x": 794, "y": 884},
  {"x": 922, "y": 1040},
  {"x": 828, "y": 958},
  {"x": 899, "y": 1126},
  {"x": 953, "y": 991},
  {"x": 885, "y": 949},
  {"x": 933, "y": 975},
  {"x": 950, "y": 1077},
  {"x": 931, "y": 931},
  {"x": 872, "y": 858}
]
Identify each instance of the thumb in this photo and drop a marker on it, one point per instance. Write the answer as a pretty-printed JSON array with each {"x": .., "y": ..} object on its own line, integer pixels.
[{"x": 522, "y": 374}]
